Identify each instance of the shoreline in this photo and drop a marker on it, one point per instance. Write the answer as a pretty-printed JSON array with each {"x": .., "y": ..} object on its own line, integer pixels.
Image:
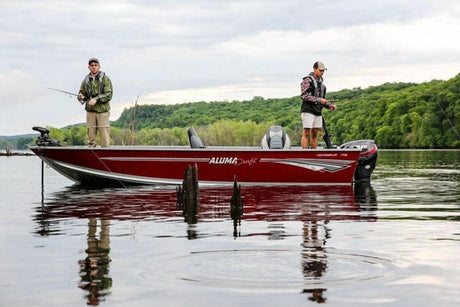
[{"x": 12, "y": 154}]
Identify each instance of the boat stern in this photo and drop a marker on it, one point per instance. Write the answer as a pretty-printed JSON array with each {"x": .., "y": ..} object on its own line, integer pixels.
[{"x": 367, "y": 158}]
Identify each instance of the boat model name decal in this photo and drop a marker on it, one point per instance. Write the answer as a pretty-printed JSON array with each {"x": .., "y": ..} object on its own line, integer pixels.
[
  {"x": 223, "y": 160},
  {"x": 250, "y": 161},
  {"x": 320, "y": 165}
]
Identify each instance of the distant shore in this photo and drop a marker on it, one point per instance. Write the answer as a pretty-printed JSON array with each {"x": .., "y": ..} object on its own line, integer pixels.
[{"x": 11, "y": 153}]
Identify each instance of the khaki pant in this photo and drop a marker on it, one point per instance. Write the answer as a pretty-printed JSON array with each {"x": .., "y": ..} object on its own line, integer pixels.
[{"x": 98, "y": 121}]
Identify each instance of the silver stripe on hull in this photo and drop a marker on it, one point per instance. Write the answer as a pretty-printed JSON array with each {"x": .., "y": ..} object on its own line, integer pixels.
[
  {"x": 144, "y": 159},
  {"x": 316, "y": 165}
]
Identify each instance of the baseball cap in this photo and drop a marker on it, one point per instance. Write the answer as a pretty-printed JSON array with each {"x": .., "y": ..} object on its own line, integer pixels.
[
  {"x": 319, "y": 65},
  {"x": 93, "y": 60}
]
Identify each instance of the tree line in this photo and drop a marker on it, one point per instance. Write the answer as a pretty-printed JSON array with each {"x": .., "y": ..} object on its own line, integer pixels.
[{"x": 395, "y": 115}]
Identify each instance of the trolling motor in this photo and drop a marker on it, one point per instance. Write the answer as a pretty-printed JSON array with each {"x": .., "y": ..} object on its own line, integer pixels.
[{"x": 44, "y": 139}]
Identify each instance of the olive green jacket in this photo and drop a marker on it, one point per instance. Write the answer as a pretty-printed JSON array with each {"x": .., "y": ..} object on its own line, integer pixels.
[{"x": 92, "y": 88}]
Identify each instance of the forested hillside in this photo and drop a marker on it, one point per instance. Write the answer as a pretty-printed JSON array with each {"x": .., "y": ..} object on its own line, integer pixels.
[{"x": 395, "y": 115}]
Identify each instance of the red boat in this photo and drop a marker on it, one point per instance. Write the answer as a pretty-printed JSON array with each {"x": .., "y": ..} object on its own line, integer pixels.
[{"x": 274, "y": 163}]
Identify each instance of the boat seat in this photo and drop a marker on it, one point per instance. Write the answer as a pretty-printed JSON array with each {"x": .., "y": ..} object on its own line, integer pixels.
[
  {"x": 276, "y": 138},
  {"x": 194, "y": 139}
]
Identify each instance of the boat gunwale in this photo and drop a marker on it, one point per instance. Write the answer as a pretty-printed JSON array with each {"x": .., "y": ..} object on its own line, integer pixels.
[{"x": 187, "y": 148}]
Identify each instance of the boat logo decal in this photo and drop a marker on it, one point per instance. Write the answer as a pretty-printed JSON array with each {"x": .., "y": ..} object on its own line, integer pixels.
[{"x": 223, "y": 160}]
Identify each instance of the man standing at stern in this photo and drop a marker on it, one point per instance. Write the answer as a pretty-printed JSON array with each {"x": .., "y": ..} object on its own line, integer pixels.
[
  {"x": 313, "y": 92},
  {"x": 96, "y": 92}
]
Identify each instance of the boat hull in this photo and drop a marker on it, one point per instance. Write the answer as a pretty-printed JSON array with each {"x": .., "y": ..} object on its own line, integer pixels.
[{"x": 220, "y": 165}]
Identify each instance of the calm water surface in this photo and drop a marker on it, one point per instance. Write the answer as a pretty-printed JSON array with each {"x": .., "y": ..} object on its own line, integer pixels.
[{"x": 396, "y": 242}]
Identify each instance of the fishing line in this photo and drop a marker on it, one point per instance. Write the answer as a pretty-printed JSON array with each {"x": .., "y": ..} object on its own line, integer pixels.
[
  {"x": 445, "y": 115},
  {"x": 124, "y": 128},
  {"x": 132, "y": 122},
  {"x": 118, "y": 179},
  {"x": 345, "y": 107},
  {"x": 141, "y": 201}
]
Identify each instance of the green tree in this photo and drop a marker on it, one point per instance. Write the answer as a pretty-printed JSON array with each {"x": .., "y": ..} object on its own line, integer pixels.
[
  {"x": 75, "y": 135},
  {"x": 23, "y": 142}
]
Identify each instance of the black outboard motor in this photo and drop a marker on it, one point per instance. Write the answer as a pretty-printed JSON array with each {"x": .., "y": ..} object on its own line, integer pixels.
[
  {"x": 194, "y": 139},
  {"x": 44, "y": 139},
  {"x": 367, "y": 158},
  {"x": 276, "y": 138}
]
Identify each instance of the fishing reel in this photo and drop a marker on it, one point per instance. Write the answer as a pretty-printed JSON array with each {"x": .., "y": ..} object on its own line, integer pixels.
[
  {"x": 44, "y": 139},
  {"x": 82, "y": 101}
]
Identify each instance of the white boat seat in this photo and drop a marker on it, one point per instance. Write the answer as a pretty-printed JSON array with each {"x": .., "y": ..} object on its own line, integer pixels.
[{"x": 276, "y": 138}]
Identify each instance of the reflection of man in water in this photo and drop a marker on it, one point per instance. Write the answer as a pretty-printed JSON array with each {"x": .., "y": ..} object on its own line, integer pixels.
[
  {"x": 94, "y": 269},
  {"x": 314, "y": 259}
]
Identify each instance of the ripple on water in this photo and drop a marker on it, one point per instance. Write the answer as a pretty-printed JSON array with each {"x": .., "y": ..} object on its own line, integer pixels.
[{"x": 269, "y": 270}]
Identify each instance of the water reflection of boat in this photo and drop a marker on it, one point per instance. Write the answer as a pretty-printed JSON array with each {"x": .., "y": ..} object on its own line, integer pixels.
[
  {"x": 260, "y": 203},
  {"x": 304, "y": 204},
  {"x": 315, "y": 207},
  {"x": 285, "y": 203}
]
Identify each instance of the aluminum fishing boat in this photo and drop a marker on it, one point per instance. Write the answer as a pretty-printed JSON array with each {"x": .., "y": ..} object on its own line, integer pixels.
[{"x": 273, "y": 163}]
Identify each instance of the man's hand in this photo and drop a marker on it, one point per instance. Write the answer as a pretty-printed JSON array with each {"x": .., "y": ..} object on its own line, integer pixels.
[
  {"x": 332, "y": 107},
  {"x": 81, "y": 98},
  {"x": 92, "y": 101}
]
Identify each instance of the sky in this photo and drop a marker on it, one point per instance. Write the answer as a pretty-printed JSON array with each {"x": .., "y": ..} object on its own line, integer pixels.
[{"x": 180, "y": 51}]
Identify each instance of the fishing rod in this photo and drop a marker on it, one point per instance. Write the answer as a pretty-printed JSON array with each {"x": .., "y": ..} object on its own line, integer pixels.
[
  {"x": 82, "y": 101},
  {"x": 326, "y": 136},
  {"x": 348, "y": 103}
]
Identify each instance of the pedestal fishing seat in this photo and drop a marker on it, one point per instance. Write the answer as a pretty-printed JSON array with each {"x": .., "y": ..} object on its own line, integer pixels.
[{"x": 276, "y": 138}]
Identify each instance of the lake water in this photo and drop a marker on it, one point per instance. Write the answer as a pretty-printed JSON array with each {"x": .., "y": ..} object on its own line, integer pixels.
[{"x": 396, "y": 242}]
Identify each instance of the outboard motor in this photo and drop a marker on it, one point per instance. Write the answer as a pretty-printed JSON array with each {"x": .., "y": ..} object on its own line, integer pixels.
[
  {"x": 194, "y": 139},
  {"x": 276, "y": 138},
  {"x": 367, "y": 158},
  {"x": 44, "y": 139}
]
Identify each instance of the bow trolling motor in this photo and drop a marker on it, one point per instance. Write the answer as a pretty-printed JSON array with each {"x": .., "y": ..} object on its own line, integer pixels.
[{"x": 44, "y": 139}]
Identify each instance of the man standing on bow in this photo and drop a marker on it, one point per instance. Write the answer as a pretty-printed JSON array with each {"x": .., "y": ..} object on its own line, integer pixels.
[
  {"x": 96, "y": 92},
  {"x": 313, "y": 92}
]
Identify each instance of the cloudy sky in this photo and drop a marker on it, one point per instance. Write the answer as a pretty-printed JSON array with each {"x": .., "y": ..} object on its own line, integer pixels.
[{"x": 208, "y": 50}]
